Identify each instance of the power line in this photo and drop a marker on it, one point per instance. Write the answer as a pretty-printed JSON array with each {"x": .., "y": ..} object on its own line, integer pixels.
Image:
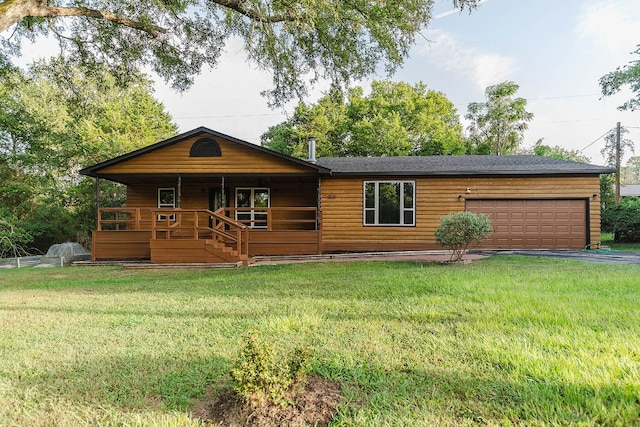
[{"x": 599, "y": 138}]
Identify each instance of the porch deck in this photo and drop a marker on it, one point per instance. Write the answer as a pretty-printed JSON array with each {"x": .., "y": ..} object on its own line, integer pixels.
[{"x": 200, "y": 235}]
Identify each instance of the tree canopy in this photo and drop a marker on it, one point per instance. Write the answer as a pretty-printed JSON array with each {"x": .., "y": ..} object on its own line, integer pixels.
[
  {"x": 395, "y": 119},
  {"x": 341, "y": 41},
  {"x": 56, "y": 118},
  {"x": 557, "y": 152},
  {"x": 609, "y": 149},
  {"x": 628, "y": 75},
  {"x": 498, "y": 124}
]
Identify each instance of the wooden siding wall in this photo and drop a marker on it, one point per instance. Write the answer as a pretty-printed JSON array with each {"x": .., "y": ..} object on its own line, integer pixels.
[
  {"x": 235, "y": 158},
  {"x": 342, "y": 200}
]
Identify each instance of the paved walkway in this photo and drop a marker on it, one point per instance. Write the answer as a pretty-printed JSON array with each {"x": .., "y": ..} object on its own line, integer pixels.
[
  {"x": 416, "y": 256},
  {"x": 601, "y": 256}
]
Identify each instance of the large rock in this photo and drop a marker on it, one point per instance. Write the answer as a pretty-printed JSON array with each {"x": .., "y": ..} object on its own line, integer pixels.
[{"x": 65, "y": 253}]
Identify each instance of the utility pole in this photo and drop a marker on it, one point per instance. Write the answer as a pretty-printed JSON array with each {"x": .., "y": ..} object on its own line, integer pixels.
[{"x": 618, "y": 163}]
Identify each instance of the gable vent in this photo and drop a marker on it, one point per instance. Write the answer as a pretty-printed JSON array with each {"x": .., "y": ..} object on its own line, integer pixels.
[{"x": 205, "y": 147}]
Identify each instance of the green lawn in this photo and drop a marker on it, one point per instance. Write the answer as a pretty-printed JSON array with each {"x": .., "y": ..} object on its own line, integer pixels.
[
  {"x": 607, "y": 239},
  {"x": 503, "y": 341}
]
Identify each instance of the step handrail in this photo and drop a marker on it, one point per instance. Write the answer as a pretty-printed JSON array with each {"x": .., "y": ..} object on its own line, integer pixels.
[{"x": 238, "y": 233}]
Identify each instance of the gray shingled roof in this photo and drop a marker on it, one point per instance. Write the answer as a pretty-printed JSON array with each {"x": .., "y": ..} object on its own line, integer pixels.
[{"x": 458, "y": 165}]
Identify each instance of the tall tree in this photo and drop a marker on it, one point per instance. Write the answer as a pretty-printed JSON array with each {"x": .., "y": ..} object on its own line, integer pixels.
[
  {"x": 609, "y": 149},
  {"x": 631, "y": 172},
  {"x": 50, "y": 126},
  {"x": 498, "y": 124},
  {"x": 395, "y": 119},
  {"x": 628, "y": 75},
  {"x": 338, "y": 40}
]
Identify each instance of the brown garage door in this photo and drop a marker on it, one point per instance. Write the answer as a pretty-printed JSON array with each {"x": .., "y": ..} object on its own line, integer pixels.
[{"x": 534, "y": 224}]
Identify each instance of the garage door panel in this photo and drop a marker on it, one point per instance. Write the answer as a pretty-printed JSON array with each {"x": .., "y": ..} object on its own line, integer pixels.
[{"x": 539, "y": 224}]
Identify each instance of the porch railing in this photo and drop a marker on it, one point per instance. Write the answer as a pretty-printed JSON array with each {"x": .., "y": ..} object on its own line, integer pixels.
[
  {"x": 121, "y": 219},
  {"x": 279, "y": 218},
  {"x": 199, "y": 224}
]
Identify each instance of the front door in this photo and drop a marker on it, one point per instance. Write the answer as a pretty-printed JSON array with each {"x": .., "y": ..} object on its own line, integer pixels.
[
  {"x": 251, "y": 204},
  {"x": 216, "y": 201}
]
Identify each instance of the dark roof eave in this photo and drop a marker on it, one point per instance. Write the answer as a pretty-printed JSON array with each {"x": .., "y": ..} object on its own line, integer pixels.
[{"x": 471, "y": 173}]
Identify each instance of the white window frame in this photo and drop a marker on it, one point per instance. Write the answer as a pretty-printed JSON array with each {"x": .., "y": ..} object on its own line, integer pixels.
[
  {"x": 162, "y": 217},
  {"x": 376, "y": 207},
  {"x": 252, "y": 213}
]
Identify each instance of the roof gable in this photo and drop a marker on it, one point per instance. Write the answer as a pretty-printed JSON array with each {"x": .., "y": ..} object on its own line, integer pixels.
[{"x": 176, "y": 156}]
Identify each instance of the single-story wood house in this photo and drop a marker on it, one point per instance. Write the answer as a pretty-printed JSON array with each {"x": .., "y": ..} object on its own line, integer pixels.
[{"x": 203, "y": 196}]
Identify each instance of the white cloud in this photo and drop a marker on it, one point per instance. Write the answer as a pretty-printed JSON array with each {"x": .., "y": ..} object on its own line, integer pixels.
[
  {"x": 484, "y": 68},
  {"x": 612, "y": 24}
]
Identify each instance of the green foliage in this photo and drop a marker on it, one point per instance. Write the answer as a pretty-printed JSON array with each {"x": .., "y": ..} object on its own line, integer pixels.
[
  {"x": 630, "y": 173},
  {"x": 14, "y": 240},
  {"x": 623, "y": 220},
  {"x": 395, "y": 119},
  {"x": 498, "y": 125},
  {"x": 460, "y": 231},
  {"x": 607, "y": 193},
  {"x": 557, "y": 152},
  {"x": 296, "y": 41},
  {"x": 261, "y": 376},
  {"x": 57, "y": 118},
  {"x": 628, "y": 75},
  {"x": 610, "y": 146}
]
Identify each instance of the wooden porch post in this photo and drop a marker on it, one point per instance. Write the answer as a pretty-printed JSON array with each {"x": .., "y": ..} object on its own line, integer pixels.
[
  {"x": 179, "y": 196},
  {"x": 97, "y": 203},
  {"x": 222, "y": 196},
  {"x": 319, "y": 216}
]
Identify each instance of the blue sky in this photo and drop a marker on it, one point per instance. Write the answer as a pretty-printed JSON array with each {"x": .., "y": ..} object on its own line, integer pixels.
[{"x": 556, "y": 50}]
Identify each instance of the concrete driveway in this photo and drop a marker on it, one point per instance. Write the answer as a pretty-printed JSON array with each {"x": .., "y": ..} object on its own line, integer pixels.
[{"x": 602, "y": 256}]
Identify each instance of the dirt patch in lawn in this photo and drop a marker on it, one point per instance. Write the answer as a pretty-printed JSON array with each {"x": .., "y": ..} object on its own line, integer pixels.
[{"x": 315, "y": 406}]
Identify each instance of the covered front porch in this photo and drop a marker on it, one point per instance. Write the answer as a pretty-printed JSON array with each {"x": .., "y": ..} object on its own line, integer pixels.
[{"x": 189, "y": 219}]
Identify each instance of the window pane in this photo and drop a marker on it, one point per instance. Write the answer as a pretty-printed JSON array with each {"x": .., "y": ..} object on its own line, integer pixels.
[
  {"x": 370, "y": 195},
  {"x": 369, "y": 216},
  {"x": 408, "y": 195},
  {"x": 261, "y": 199},
  {"x": 166, "y": 197},
  {"x": 243, "y": 199},
  {"x": 408, "y": 217},
  {"x": 389, "y": 203}
]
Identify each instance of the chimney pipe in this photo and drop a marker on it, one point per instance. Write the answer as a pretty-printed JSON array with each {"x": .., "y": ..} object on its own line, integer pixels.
[{"x": 312, "y": 149}]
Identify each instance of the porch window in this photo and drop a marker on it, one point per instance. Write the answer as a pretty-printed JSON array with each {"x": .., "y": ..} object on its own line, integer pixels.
[
  {"x": 249, "y": 202},
  {"x": 389, "y": 203},
  {"x": 166, "y": 199}
]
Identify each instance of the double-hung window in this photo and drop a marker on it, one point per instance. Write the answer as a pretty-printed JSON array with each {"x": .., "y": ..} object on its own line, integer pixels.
[
  {"x": 166, "y": 199},
  {"x": 251, "y": 206},
  {"x": 390, "y": 203}
]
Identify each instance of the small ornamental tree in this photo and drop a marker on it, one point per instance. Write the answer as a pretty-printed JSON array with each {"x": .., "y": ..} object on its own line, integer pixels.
[{"x": 460, "y": 231}]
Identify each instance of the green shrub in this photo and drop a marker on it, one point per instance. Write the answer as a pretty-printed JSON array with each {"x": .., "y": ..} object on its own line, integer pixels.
[
  {"x": 460, "y": 231},
  {"x": 261, "y": 376},
  {"x": 14, "y": 240},
  {"x": 623, "y": 220}
]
